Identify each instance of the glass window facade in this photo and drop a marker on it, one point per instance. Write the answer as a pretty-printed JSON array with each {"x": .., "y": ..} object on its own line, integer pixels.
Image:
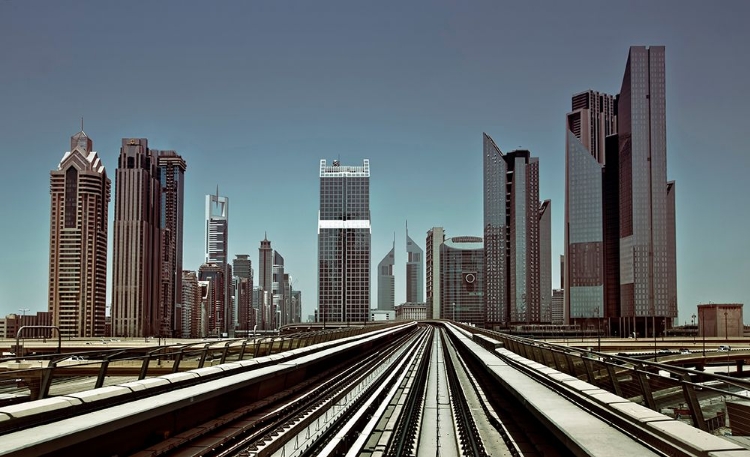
[
  {"x": 344, "y": 243},
  {"x": 462, "y": 280}
]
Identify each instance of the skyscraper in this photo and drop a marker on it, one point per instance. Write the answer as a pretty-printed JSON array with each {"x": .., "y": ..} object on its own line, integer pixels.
[
  {"x": 278, "y": 289},
  {"x": 296, "y": 305},
  {"x": 414, "y": 271},
  {"x": 265, "y": 283},
  {"x": 513, "y": 275},
  {"x": 646, "y": 211},
  {"x": 80, "y": 193},
  {"x": 620, "y": 261},
  {"x": 136, "y": 280},
  {"x": 218, "y": 302},
  {"x": 386, "y": 281},
  {"x": 191, "y": 305},
  {"x": 435, "y": 239},
  {"x": 172, "y": 178},
  {"x": 545, "y": 261},
  {"x": 243, "y": 295},
  {"x": 217, "y": 228},
  {"x": 592, "y": 119},
  {"x": 461, "y": 279},
  {"x": 344, "y": 233},
  {"x": 495, "y": 234}
]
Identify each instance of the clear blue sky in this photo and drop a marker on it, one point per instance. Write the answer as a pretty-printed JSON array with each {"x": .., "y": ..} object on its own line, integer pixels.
[{"x": 254, "y": 94}]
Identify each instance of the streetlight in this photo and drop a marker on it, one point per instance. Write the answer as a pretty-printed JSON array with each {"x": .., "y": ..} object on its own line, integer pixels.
[
  {"x": 694, "y": 330},
  {"x": 703, "y": 330},
  {"x": 726, "y": 327},
  {"x": 598, "y": 331}
]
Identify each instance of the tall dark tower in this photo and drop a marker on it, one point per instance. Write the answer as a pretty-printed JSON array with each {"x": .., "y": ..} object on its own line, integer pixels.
[
  {"x": 647, "y": 277},
  {"x": 265, "y": 283},
  {"x": 136, "y": 283},
  {"x": 172, "y": 177}
]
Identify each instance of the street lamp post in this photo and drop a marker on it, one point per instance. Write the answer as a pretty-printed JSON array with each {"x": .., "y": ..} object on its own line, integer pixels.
[
  {"x": 703, "y": 330},
  {"x": 598, "y": 331},
  {"x": 726, "y": 327},
  {"x": 693, "y": 325}
]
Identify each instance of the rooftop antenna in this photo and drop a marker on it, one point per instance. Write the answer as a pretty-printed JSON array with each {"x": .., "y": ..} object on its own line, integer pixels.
[
  {"x": 81, "y": 123},
  {"x": 217, "y": 192}
]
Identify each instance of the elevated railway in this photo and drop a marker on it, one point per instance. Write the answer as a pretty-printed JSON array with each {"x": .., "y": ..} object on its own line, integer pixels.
[{"x": 429, "y": 389}]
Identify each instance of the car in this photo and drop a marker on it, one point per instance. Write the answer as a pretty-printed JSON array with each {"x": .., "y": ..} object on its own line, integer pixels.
[
  {"x": 664, "y": 351},
  {"x": 724, "y": 348},
  {"x": 685, "y": 351}
]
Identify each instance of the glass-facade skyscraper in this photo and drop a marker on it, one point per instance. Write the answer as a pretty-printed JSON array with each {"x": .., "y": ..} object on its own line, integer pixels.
[
  {"x": 647, "y": 278},
  {"x": 495, "y": 233},
  {"x": 344, "y": 234},
  {"x": 591, "y": 121},
  {"x": 462, "y": 279},
  {"x": 620, "y": 252},
  {"x": 514, "y": 220}
]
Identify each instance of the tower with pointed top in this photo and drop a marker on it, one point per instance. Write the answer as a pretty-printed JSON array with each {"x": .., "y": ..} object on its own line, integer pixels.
[
  {"x": 386, "y": 281},
  {"x": 79, "y": 194},
  {"x": 414, "y": 271},
  {"x": 136, "y": 283},
  {"x": 265, "y": 283}
]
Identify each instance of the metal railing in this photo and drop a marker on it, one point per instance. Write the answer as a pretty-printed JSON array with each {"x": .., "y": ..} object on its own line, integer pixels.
[
  {"x": 662, "y": 387},
  {"x": 31, "y": 377}
]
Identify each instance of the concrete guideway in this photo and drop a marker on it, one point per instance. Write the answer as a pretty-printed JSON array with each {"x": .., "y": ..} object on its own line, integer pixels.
[
  {"x": 589, "y": 420},
  {"x": 430, "y": 389}
]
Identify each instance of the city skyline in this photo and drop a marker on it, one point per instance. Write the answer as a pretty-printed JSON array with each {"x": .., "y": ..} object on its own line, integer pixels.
[{"x": 413, "y": 102}]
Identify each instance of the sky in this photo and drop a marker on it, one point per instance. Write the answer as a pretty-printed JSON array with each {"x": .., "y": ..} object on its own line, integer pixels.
[{"x": 254, "y": 94}]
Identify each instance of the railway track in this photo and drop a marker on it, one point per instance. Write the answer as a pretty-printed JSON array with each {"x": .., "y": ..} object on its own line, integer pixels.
[
  {"x": 408, "y": 391},
  {"x": 417, "y": 397},
  {"x": 265, "y": 426}
]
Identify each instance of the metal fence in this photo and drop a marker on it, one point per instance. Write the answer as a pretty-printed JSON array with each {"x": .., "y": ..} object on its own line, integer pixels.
[
  {"x": 39, "y": 376},
  {"x": 683, "y": 393}
]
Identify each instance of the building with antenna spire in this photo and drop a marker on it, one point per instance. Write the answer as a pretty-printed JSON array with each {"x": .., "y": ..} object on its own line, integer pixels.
[{"x": 79, "y": 195}]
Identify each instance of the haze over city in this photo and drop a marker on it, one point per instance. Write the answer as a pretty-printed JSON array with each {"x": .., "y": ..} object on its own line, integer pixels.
[{"x": 253, "y": 95}]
